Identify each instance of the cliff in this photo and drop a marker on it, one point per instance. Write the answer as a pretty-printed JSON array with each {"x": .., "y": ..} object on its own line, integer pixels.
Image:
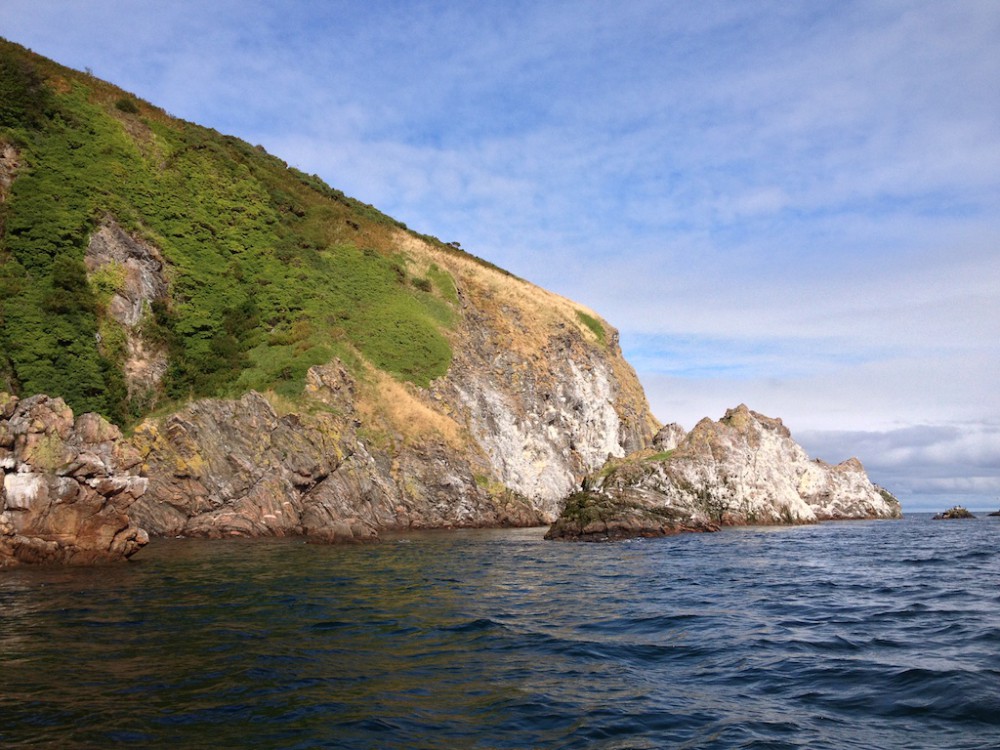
[
  {"x": 743, "y": 469},
  {"x": 66, "y": 486},
  {"x": 284, "y": 358},
  {"x": 533, "y": 401}
]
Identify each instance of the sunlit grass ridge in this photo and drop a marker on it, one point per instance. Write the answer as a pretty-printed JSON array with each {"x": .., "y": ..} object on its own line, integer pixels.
[{"x": 269, "y": 270}]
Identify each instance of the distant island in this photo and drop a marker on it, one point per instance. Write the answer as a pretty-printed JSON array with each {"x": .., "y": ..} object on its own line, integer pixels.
[{"x": 956, "y": 512}]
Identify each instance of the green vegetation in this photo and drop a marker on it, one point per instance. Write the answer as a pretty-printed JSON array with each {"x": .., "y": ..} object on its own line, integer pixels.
[
  {"x": 270, "y": 271},
  {"x": 594, "y": 325},
  {"x": 125, "y": 104},
  {"x": 661, "y": 456}
]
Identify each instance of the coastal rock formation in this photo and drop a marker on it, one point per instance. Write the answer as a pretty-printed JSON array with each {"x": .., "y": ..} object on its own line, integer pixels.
[
  {"x": 66, "y": 486},
  {"x": 532, "y": 402},
  {"x": 537, "y": 383},
  {"x": 957, "y": 512},
  {"x": 743, "y": 469},
  {"x": 223, "y": 468}
]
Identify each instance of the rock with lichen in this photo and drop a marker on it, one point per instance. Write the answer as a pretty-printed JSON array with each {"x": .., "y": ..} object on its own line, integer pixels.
[{"x": 66, "y": 486}]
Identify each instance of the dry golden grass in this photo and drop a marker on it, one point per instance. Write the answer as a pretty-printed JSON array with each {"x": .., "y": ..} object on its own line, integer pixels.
[
  {"x": 522, "y": 313},
  {"x": 401, "y": 408}
]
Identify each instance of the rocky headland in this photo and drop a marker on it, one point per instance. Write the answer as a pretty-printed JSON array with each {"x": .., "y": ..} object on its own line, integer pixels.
[
  {"x": 743, "y": 469},
  {"x": 287, "y": 360},
  {"x": 533, "y": 401}
]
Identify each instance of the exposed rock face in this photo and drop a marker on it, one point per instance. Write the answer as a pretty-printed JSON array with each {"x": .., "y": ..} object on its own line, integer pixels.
[
  {"x": 956, "y": 513},
  {"x": 743, "y": 469},
  {"x": 220, "y": 468},
  {"x": 9, "y": 163},
  {"x": 543, "y": 400},
  {"x": 669, "y": 437},
  {"x": 135, "y": 271},
  {"x": 66, "y": 486}
]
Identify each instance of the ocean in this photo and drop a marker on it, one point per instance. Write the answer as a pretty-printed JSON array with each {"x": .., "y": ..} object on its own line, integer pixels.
[{"x": 881, "y": 634}]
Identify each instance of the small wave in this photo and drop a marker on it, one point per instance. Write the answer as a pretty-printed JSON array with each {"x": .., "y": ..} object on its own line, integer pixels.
[
  {"x": 479, "y": 625},
  {"x": 331, "y": 625}
]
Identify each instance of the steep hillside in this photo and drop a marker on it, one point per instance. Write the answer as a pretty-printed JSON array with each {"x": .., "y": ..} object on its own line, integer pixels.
[{"x": 285, "y": 358}]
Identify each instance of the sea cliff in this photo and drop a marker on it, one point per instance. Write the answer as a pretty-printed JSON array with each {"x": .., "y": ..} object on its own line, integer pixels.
[{"x": 532, "y": 402}]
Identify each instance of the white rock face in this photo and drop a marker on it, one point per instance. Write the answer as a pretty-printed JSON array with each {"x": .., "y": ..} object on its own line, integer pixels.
[
  {"x": 21, "y": 490},
  {"x": 542, "y": 434},
  {"x": 746, "y": 469}
]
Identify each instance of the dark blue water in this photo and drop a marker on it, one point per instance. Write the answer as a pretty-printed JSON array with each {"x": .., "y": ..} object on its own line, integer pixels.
[{"x": 850, "y": 635}]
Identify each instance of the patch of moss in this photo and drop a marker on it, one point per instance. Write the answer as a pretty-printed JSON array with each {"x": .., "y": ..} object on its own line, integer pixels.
[
  {"x": 594, "y": 325},
  {"x": 661, "y": 456}
]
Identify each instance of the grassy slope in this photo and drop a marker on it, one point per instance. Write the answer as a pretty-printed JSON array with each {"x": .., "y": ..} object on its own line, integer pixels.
[{"x": 270, "y": 270}]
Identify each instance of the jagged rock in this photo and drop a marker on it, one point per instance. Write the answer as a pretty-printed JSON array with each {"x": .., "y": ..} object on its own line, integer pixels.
[
  {"x": 669, "y": 437},
  {"x": 222, "y": 468},
  {"x": 743, "y": 469},
  {"x": 66, "y": 486},
  {"x": 956, "y": 512}
]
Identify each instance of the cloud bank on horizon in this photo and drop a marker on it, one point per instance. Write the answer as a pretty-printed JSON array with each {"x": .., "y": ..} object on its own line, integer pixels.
[{"x": 791, "y": 205}]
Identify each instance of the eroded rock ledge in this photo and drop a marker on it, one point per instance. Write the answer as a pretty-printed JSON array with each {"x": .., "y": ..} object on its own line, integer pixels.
[
  {"x": 744, "y": 469},
  {"x": 66, "y": 486}
]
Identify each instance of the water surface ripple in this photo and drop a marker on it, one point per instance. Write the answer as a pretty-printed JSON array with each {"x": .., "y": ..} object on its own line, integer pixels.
[{"x": 847, "y": 635}]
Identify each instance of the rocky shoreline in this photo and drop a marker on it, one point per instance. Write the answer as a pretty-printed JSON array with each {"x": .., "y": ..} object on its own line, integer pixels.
[
  {"x": 74, "y": 491},
  {"x": 67, "y": 486}
]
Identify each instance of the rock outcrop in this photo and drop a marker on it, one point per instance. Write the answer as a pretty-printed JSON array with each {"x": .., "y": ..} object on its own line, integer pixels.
[
  {"x": 541, "y": 395},
  {"x": 957, "y": 512},
  {"x": 743, "y": 469},
  {"x": 9, "y": 164},
  {"x": 129, "y": 272},
  {"x": 222, "y": 468},
  {"x": 66, "y": 486}
]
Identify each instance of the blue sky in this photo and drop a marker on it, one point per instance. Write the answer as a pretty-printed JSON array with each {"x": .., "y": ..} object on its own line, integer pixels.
[{"x": 795, "y": 205}]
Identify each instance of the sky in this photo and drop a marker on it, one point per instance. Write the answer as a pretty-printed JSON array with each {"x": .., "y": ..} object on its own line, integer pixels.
[{"x": 792, "y": 205}]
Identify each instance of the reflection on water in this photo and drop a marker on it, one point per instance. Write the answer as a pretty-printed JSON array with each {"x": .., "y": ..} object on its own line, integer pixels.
[{"x": 842, "y": 635}]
